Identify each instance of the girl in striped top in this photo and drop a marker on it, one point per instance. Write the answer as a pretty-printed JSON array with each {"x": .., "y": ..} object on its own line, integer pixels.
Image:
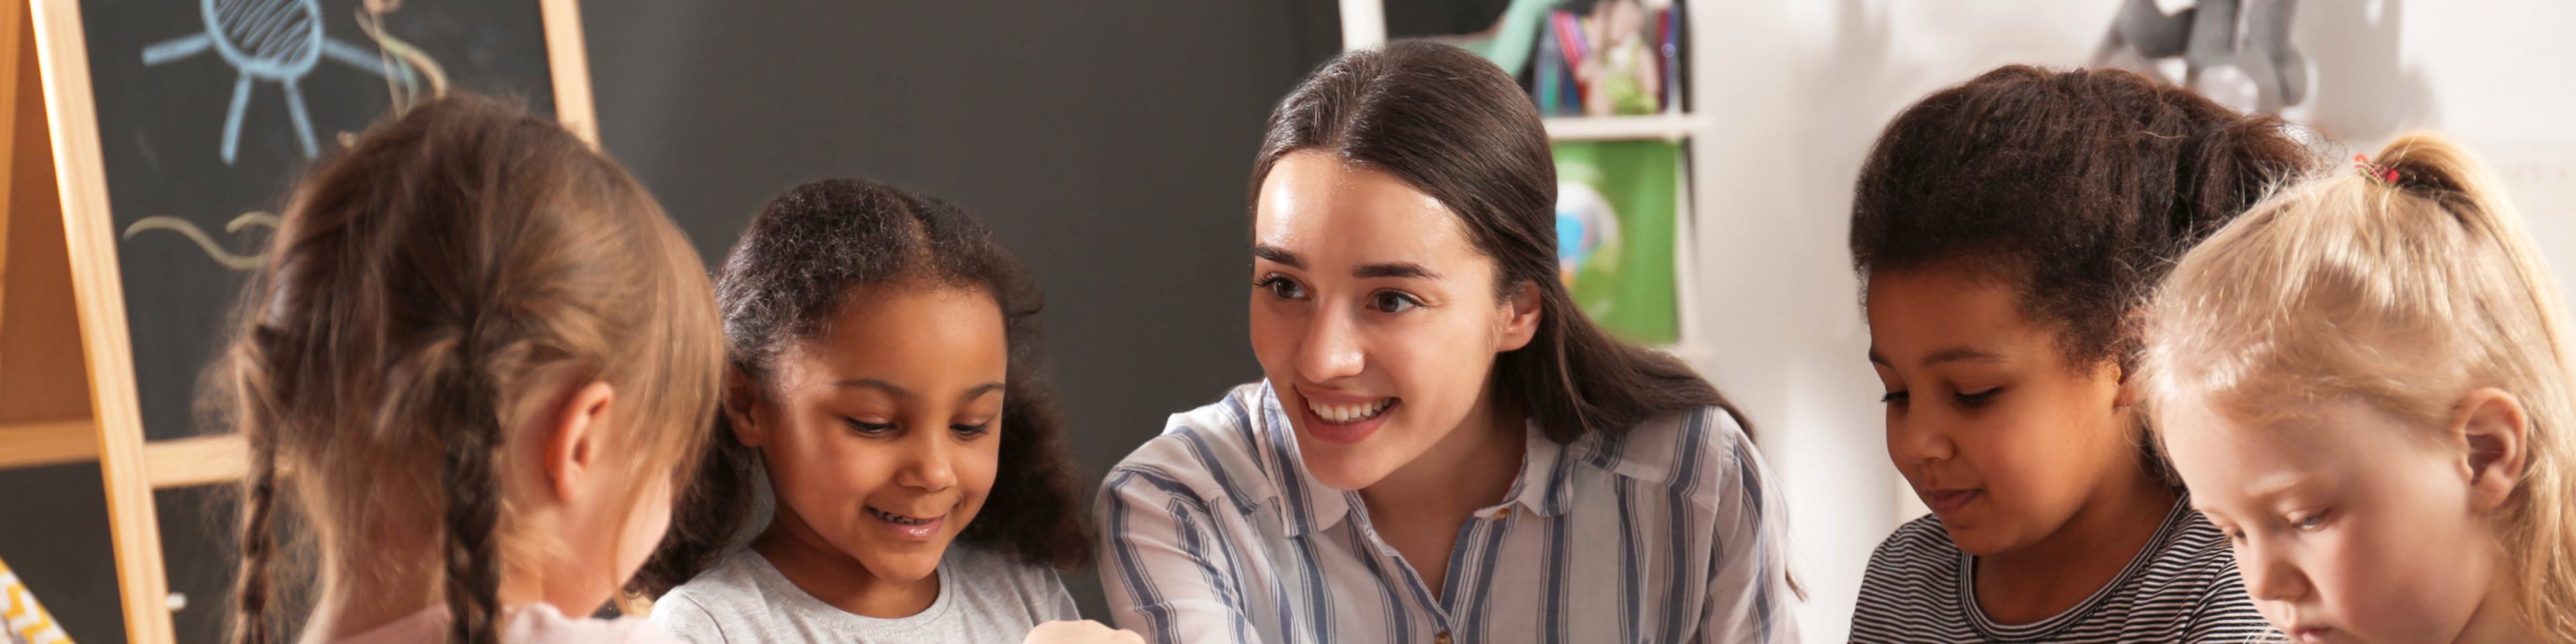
[
  {"x": 2368, "y": 380},
  {"x": 2003, "y": 230},
  {"x": 1443, "y": 448}
]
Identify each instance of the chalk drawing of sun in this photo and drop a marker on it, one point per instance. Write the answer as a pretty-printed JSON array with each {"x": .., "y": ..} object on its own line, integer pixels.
[{"x": 268, "y": 40}]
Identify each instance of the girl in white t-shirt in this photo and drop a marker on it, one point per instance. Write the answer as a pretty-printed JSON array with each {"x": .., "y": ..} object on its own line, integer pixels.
[{"x": 884, "y": 406}]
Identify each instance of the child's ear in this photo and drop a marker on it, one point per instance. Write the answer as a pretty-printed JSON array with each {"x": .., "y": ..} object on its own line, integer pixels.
[
  {"x": 572, "y": 437},
  {"x": 1521, "y": 315},
  {"x": 2135, "y": 321},
  {"x": 2130, "y": 393},
  {"x": 2491, "y": 424},
  {"x": 741, "y": 404}
]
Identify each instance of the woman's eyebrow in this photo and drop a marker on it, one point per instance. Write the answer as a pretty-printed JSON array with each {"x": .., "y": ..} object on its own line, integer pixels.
[
  {"x": 1397, "y": 269},
  {"x": 1277, "y": 255}
]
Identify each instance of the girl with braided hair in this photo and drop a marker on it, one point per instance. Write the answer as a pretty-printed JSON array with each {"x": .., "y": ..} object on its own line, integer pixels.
[{"x": 475, "y": 364}]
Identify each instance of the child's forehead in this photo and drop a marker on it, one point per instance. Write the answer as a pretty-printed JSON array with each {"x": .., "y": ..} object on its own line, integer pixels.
[
  {"x": 2285, "y": 445},
  {"x": 1920, "y": 315}
]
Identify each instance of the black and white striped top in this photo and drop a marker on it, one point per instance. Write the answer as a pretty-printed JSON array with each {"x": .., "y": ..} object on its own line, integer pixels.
[{"x": 2183, "y": 587}]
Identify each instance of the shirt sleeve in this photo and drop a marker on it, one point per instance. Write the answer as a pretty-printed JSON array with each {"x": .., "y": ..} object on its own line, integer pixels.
[
  {"x": 1751, "y": 599},
  {"x": 1160, "y": 567},
  {"x": 1055, "y": 603},
  {"x": 686, "y": 620}
]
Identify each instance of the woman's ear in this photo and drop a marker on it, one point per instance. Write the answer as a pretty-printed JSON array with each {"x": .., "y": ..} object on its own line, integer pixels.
[
  {"x": 742, "y": 407},
  {"x": 2492, "y": 425},
  {"x": 1521, "y": 315}
]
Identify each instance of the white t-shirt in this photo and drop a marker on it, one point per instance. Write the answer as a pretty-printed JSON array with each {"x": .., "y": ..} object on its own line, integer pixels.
[
  {"x": 983, "y": 597},
  {"x": 529, "y": 624}
]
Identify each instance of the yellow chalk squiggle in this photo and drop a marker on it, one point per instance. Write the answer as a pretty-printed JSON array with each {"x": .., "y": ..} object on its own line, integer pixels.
[{"x": 213, "y": 250}]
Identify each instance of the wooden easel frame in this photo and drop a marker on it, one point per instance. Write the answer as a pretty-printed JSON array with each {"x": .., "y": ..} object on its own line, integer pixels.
[{"x": 111, "y": 430}]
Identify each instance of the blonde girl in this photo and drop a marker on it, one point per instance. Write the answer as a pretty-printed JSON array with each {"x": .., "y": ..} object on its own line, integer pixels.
[
  {"x": 2365, "y": 382},
  {"x": 472, "y": 369}
]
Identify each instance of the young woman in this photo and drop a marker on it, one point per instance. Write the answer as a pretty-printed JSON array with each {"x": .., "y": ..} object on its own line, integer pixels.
[{"x": 1442, "y": 448}]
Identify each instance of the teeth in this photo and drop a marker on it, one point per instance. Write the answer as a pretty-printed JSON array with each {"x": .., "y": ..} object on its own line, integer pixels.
[
  {"x": 1339, "y": 414},
  {"x": 896, "y": 518}
]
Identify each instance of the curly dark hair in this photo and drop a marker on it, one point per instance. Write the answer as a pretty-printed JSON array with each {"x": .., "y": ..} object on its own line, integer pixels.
[
  {"x": 802, "y": 255},
  {"x": 2078, "y": 188}
]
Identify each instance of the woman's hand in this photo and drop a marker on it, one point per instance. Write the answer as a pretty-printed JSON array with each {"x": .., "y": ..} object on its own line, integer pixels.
[{"x": 1082, "y": 632}]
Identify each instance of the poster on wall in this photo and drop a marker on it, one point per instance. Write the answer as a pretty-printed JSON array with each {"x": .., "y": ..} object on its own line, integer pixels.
[{"x": 1616, "y": 207}]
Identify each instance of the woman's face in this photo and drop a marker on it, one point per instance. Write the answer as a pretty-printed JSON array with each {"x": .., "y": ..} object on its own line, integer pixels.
[
  {"x": 1373, "y": 315},
  {"x": 882, "y": 436}
]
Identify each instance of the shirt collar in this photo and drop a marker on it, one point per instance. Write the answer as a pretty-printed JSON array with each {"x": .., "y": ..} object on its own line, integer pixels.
[{"x": 1544, "y": 485}]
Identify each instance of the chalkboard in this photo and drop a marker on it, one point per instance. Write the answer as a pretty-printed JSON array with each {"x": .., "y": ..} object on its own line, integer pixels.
[
  {"x": 209, "y": 109},
  {"x": 179, "y": 126}
]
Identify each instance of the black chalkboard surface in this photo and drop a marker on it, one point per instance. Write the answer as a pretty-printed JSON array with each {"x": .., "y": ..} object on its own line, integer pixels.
[
  {"x": 206, "y": 112},
  {"x": 209, "y": 109}
]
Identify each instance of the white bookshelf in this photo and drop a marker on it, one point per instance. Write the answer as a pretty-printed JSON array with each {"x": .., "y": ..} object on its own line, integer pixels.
[
  {"x": 1663, "y": 127},
  {"x": 1364, "y": 26}
]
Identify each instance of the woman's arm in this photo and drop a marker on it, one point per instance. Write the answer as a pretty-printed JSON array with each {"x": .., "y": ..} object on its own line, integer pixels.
[
  {"x": 1161, "y": 564},
  {"x": 1750, "y": 596}
]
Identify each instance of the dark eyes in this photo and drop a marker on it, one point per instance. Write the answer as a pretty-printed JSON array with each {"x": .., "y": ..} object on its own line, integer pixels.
[
  {"x": 1965, "y": 399},
  {"x": 887, "y": 429},
  {"x": 1393, "y": 302},
  {"x": 1279, "y": 286}
]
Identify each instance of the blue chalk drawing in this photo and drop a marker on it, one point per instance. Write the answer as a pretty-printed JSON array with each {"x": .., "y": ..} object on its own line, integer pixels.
[{"x": 270, "y": 40}]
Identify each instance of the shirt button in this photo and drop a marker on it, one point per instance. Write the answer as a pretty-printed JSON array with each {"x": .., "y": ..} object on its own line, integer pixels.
[
  {"x": 1444, "y": 637},
  {"x": 1504, "y": 513}
]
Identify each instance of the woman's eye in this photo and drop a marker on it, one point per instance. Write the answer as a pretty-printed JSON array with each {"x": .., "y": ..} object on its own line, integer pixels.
[
  {"x": 1393, "y": 302},
  {"x": 1280, "y": 287},
  {"x": 1974, "y": 399},
  {"x": 1898, "y": 397},
  {"x": 971, "y": 431},
  {"x": 867, "y": 428}
]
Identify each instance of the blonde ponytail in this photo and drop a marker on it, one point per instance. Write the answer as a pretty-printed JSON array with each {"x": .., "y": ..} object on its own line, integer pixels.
[{"x": 2403, "y": 285}]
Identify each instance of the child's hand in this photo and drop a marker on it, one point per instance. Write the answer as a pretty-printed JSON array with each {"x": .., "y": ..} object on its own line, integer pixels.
[{"x": 1082, "y": 632}]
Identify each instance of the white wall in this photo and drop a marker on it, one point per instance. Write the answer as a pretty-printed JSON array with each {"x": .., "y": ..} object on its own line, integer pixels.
[{"x": 1801, "y": 89}]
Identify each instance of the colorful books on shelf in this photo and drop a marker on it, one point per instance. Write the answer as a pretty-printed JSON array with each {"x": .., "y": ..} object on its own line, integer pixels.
[
  {"x": 1617, "y": 208},
  {"x": 1622, "y": 57}
]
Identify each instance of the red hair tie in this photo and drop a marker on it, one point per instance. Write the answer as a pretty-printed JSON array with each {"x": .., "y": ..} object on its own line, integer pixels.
[{"x": 2386, "y": 177}]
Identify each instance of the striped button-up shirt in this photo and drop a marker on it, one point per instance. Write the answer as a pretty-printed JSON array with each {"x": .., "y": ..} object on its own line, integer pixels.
[{"x": 1670, "y": 532}]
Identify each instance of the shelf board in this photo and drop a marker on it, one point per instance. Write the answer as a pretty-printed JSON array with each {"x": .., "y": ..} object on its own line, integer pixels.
[{"x": 1667, "y": 127}]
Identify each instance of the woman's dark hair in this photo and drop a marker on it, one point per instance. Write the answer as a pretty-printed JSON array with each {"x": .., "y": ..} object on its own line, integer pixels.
[
  {"x": 1454, "y": 126},
  {"x": 422, "y": 285},
  {"x": 2077, "y": 188},
  {"x": 803, "y": 256}
]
